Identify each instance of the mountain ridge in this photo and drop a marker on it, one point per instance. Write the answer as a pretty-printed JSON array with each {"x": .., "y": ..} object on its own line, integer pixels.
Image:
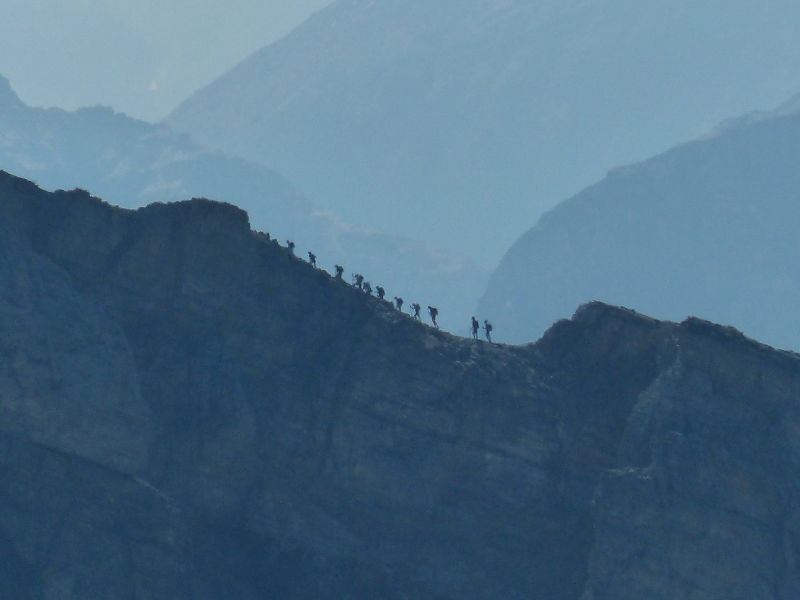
[
  {"x": 273, "y": 432},
  {"x": 705, "y": 228},
  {"x": 133, "y": 163}
]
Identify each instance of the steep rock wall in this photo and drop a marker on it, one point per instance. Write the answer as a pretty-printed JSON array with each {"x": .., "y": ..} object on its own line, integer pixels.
[{"x": 199, "y": 415}]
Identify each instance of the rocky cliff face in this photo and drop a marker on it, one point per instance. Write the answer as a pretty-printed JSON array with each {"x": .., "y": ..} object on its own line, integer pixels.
[{"x": 188, "y": 412}]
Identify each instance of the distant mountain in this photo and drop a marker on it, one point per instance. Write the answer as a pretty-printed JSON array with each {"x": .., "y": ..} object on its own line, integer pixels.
[
  {"x": 461, "y": 121},
  {"x": 132, "y": 163},
  {"x": 709, "y": 228},
  {"x": 188, "y": 413},
  {"x": 140, "y": 57}
]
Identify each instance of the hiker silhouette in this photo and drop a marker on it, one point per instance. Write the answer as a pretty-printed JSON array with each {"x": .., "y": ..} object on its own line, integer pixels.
[
  {"x": 434, "y": 312},
  {"x": 416, "y": 308}
]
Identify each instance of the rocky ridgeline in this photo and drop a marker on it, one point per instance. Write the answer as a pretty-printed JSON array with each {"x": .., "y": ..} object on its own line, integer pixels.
[
  {"x": 188, "y": 412},
  {"x": 132, "y": 164}
]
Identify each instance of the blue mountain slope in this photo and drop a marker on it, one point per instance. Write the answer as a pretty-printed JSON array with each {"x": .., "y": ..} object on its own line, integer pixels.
[
  {"x": 709, "y": 228},
  {"x": 463, "y": 120}
]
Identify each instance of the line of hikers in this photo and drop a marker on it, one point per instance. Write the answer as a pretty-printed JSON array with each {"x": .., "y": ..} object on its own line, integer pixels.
[
  {"x": 358, "y": 281},
  {"x": 366, "y": 286}
]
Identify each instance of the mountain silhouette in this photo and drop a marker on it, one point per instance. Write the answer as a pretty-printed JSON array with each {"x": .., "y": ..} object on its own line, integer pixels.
[
  {"x": 132, "y": 163},
  {"x": 709, "y": 228},
  {"x": 188, "y": 412},
  {"x": 460, "y": 121}
]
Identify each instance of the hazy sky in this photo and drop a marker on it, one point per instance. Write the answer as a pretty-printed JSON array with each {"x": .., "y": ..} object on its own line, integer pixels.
[{"x": 140, "y": 56}]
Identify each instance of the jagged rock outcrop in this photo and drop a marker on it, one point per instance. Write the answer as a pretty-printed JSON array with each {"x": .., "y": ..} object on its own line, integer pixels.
[
  {"x": 7, "y": 96},
  {"x": 229, "y": 422}
]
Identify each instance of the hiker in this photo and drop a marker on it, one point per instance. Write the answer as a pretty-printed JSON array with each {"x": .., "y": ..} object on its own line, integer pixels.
[
  {"x": 368, "y": 288},
  {"x": 358, "y": 279},
  {"x": 433, "y": 312},
  {"x": 398, "y": 302},
  {"x": 416, "y": 308},
  {"x": 339, "y": 271},
  {"x": 381, "y": 292},
  {"x": 488, "y": 328},
  {"x": 312, "y": 258},
  {"x": 475, "y": 327},
  {"x": 290, "y": 246}
]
